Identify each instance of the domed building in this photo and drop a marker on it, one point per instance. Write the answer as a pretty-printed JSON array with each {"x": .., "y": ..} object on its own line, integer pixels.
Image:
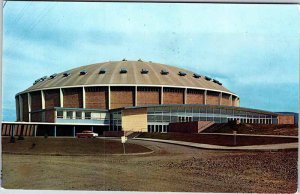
[{"x": 129, "y": 96}]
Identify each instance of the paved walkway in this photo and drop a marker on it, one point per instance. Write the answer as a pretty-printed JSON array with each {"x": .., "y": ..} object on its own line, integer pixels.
[{"x": 218, "y": 147}]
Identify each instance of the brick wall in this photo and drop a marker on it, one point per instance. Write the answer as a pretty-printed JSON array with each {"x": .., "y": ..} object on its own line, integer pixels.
[
  {"x": 96, "y": 97},
  {"x": 173, "y": 96},
  {"x": 72, "y": 98},
  {"x": 195, "y": 97},
  {"x": 186, "y": 127},
  {"x": 286, "y": 119},
  {"x": 148, "y": 95},
  {"x": 49, "y": 116},
  {"x": 212, "y": 98},
  {"x": 36, "y": 117},
  {"x": 36, "y": 101},
  {"x": 25, "y": 107},
  {"x": 226, "y": 100},
  {"x": 121, "y": 97},
  {"x": 52, "y": 98}
]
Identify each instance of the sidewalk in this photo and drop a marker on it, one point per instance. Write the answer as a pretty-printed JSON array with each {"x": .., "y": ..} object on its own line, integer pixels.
[{"x": 218, "y": 147}]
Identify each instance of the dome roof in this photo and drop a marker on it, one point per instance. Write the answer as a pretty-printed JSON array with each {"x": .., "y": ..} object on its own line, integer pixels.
[{"x": 128, "y": 73}]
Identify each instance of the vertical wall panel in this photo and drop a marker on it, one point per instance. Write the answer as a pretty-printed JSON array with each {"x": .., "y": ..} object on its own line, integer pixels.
[
  {"x": 173, "y": 96},
  {"x": 195, "y": 96},
  {"x": 96, "y": 97},
  {"x": 52, "y": 98},
  {"x": 122, "y": 97},
  {"x": 36, "y": 101},
  {"x": 72, "y": 98},
  {"x": 148, "y": 95},
  {"x": 213, "y": 98},
  {"x": 25, "y": 107}
]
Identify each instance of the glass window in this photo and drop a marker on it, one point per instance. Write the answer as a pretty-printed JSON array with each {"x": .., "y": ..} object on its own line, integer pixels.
[
  {"x": 87, "y": 115},
  {"x": 78, "y": 115},
  {"x": 69, "y": 114},
  {"x": 60, "y": 114}
]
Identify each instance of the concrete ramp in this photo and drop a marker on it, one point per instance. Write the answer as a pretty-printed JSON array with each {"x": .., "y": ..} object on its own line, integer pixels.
[{"x": 204, "y": 125}]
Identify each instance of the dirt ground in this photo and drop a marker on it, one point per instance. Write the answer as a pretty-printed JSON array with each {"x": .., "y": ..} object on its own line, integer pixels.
[
  {"x": 69, "y": 146},
  {"x": 216, "y": 139},
  {"x": 169, "y": 168}
]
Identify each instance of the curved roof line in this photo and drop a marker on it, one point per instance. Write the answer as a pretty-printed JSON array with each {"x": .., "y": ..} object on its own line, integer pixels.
[{"x": 113, "y": 76}]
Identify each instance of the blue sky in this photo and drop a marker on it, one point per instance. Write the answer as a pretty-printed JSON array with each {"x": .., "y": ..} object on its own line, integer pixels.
[{"x": 252, "y": 49}]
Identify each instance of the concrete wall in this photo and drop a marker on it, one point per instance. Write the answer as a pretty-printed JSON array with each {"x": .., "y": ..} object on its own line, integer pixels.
[
  {"x": 134, "y": 120},
  {"x": 195, "y": 97},
  {"x": 173, "y": 96},
  {"x": 122, "y": 97},
  {"x": 52, "y": 98},
  {"x": 96, "y": 97},
  {"x": 213, "y": 98},
  {"x": 73, "y": 98},
  {"x": 286, "y": 119},
  {"x": 148, "y": 95}
]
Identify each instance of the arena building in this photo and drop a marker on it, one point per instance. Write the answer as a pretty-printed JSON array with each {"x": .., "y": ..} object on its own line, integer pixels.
[{"x": 128, "y": 96}]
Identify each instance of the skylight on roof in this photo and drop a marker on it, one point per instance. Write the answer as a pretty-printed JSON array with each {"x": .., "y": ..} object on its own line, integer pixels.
[
  {"x": 144, "y": 71},
  {"x": 102, "y": 71},
  {"x": 181, "y": 73},
  {"x": 66, "y": 74},
  {"x": 53, "y": 75},
  {"x": 123, "y": 70},
  {"x": 164, "y": 72},
  {"x": 84, "y": 72},
  {"x": 217, "y": 82},
  {"x": 195, "y": 75},
  {"x": 207, "y": 78}
]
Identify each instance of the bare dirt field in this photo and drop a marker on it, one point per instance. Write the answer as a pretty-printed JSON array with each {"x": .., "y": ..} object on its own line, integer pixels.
[
  {"x": 169, "y": 168},
  {"x": 219, "y": 139},
  {"x": 69, "y": 146}
]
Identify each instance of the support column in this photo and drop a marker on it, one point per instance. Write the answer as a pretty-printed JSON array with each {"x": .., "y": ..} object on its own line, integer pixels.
[
  {"x": 135, "y": 96},
  {"x": 230, "y": 100},
  {"x": 205, "y": 96},
  {"x": 17, "y": 108},
  {"x": 83, "y": 97},
  {"x": 74, "y": 131},
  {"x": 21, "y": 107},
  {"x": 43, "y": 99},
  {"x": 109, "y": 101},
  {"x": 92, "y": 128},
  {"x": 61, "y": 97},
  {"x": 54, "y": 130},
  {"x": 185, "y": 96},
  {"x": 35, "y": 130},
  {"x": 161, "y": 95},
  {"x": 29, "y": 106},
  {"x": 220, "y": 98}
]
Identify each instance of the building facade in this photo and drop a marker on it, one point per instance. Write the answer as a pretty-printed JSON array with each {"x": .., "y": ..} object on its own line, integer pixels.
[{"x": 132, "y": 96}]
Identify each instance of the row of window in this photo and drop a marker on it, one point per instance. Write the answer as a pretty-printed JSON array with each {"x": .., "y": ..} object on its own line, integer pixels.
[
  {"x": 204, "y": 111},
  {"x": 65, "y": 114}
]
